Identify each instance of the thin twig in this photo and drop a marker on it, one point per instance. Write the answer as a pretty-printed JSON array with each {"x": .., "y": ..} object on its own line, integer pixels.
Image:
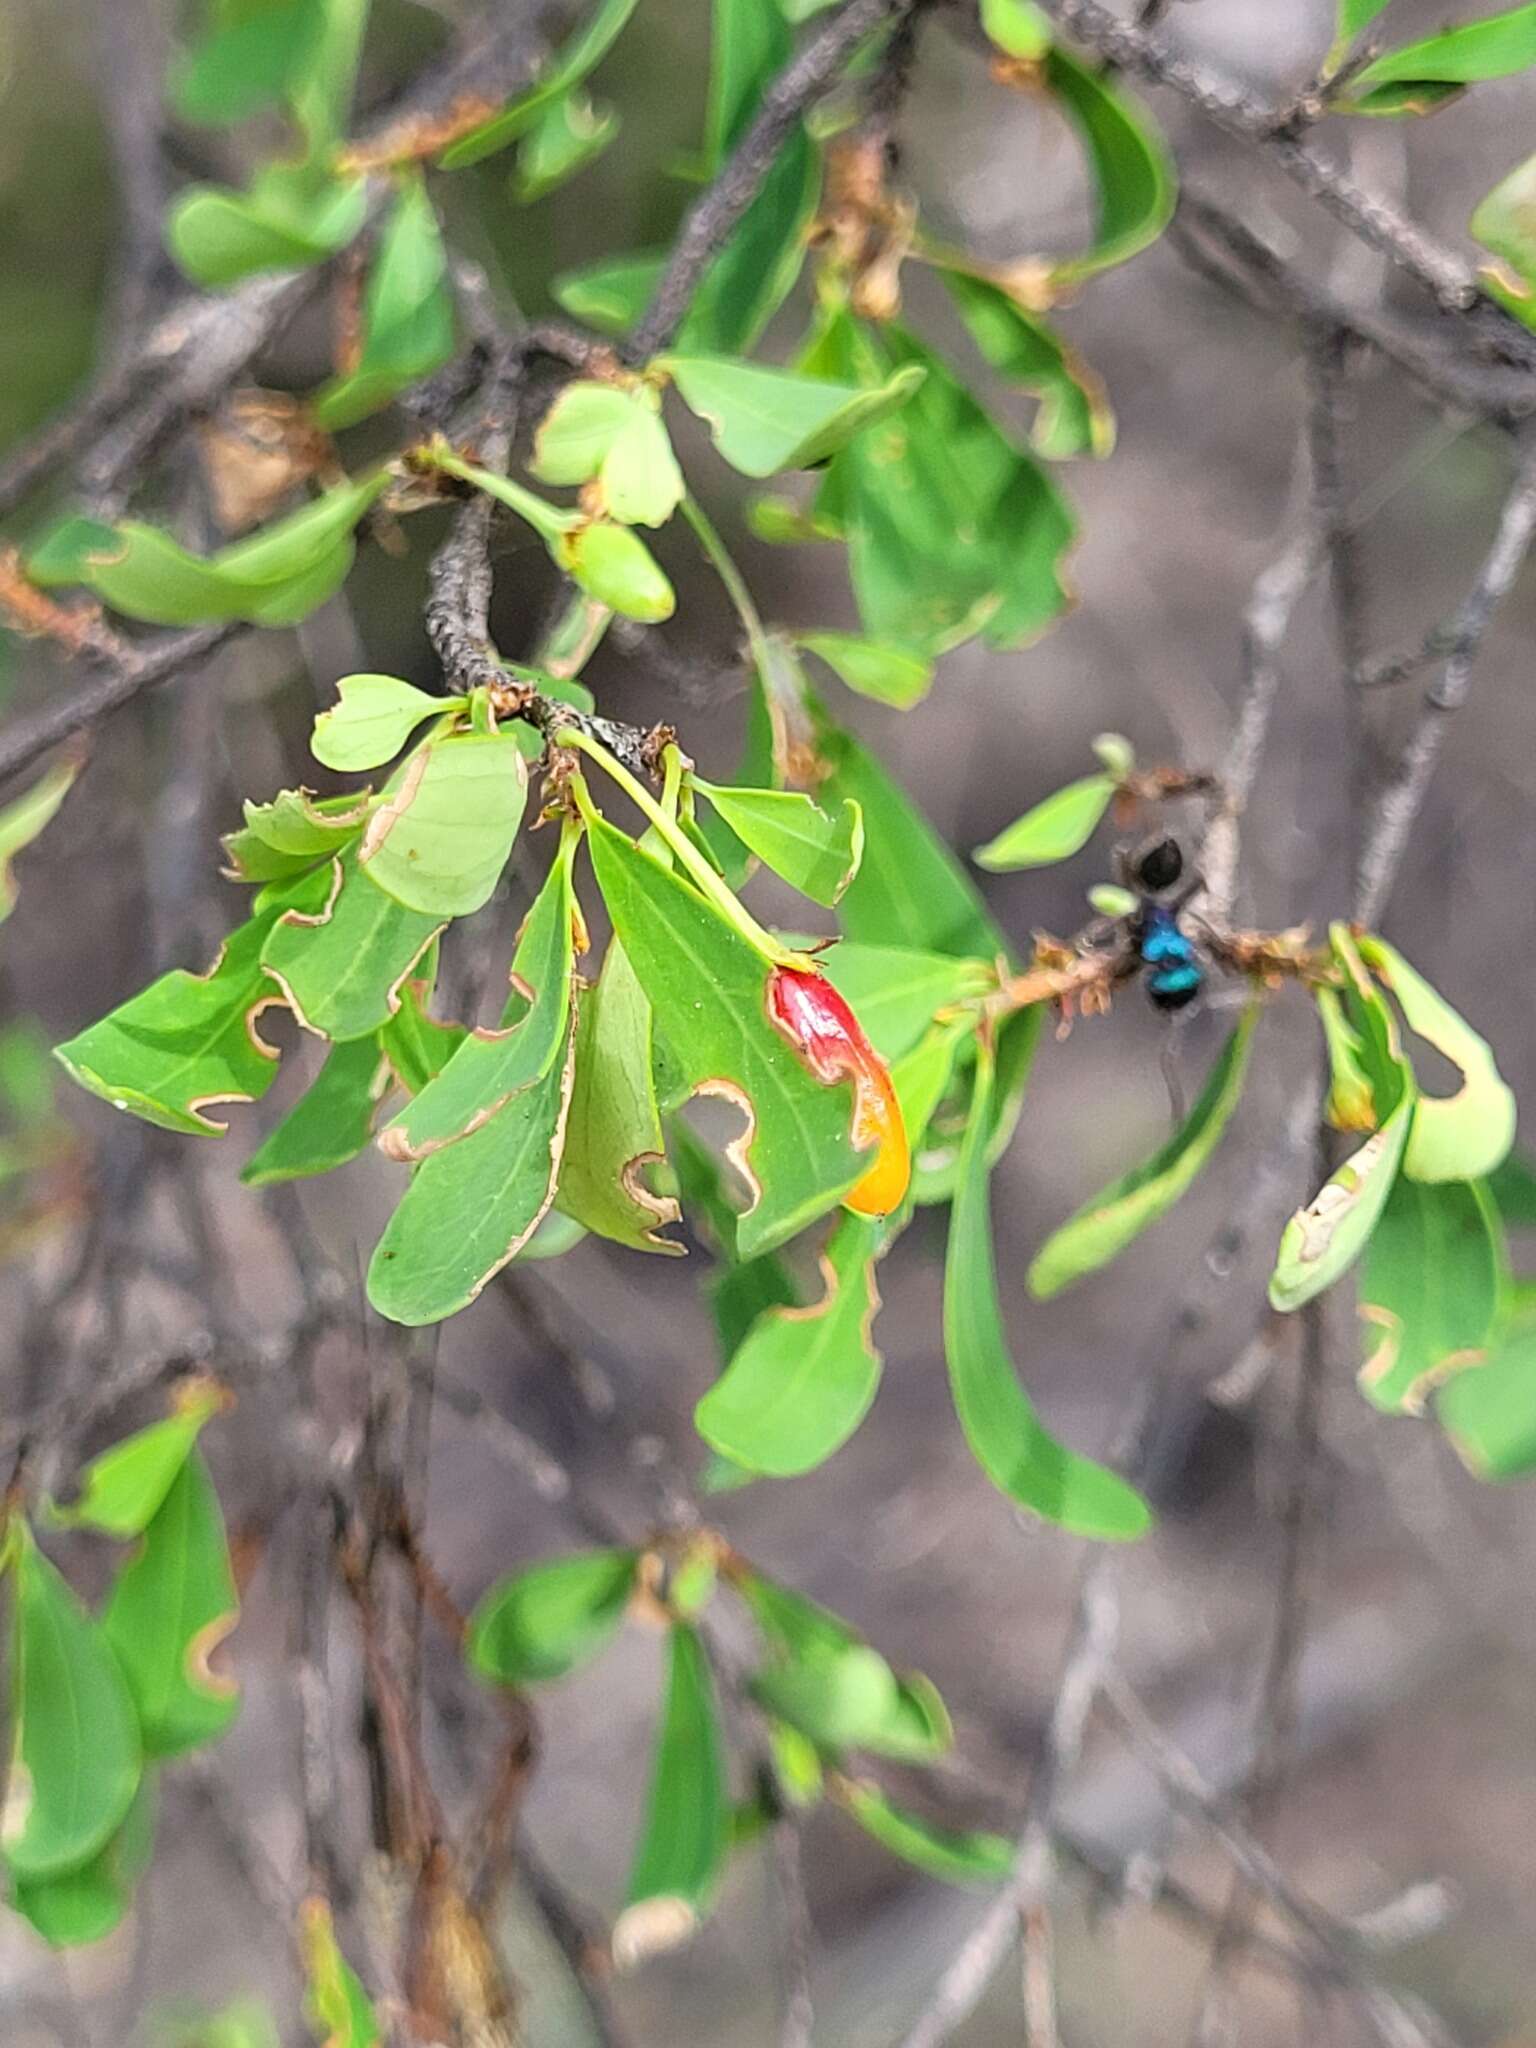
[
  {"x": 1233, "y": 108},
  {"x": 1329, "y": 1943},
  {"x": 1397, "y": 807}
]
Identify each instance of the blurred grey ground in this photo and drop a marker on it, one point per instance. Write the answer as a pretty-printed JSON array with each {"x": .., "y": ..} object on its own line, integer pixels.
[{"x": 1419, "y": 1743}]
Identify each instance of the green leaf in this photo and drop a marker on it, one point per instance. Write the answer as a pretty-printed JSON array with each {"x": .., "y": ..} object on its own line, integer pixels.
[
  {"x": 185, "y": 1043},
  {"x": 1461, "y": 1136},
  {"x": 121, "y": 1490},
  {"x": 441, "y": 836},
  {"x": 797, "y": 1773},
  {"x": 341, "y": 950},
  {"x": 490, "y": 1067},
  {"x": 1054, "y": 830},
  {"x": 918, "y": 1728},
  {"x": 708, "y": 987},
  {"x": 615, "y": 1126},
  {"x": 616, "y": 567},
  {"x": 612, "y": 293},
  {"x": 569, "y": 67},
  {"x": 1422, "y": 76},
  {"x": 1018, "y": 28},
  {"x": 1323, "y": 1240},
  {"x": 959, "y": 1858},
  {"x": 1351, "y": 1099},
  {"x": 576, "y": 434},
  {"x": 755, "y": 272},
  {"x": 555, "y": 1236},
  {"x": 337, "y": 2007},
  {"x": 1074, "y": 416},
  {"x": 897, "y": 993},
  {"x": 598, "y": 433},
  {"x": 1430, "y": 1291},
  {"x": 542, "y": 1623},
  {"x": 330, "y": 1124},
  {"x": 472, "y": 1207},
  {"x": 804, "y": 1378},
  {"x": 910, "y": 889},
  {"x": 1489, "y": 1414},
  {"x": 408, "y": 318},
  {"x": 745, "y": 284},
  {"x": 873, "y": 668},
  {"x": 1503, "y": 222},
  {"x": 1354, "y": 15},
  {"x": 765, "y": 420},
  {"x": 1104, "y": 1226},
  {"x": 22, "y": 821},
  {"x": 1512, "y": 1184},
  {"x": 1135, "y": 179},
  {"x": 64, "y": 552},
  {"x": 321, "y": 95},
  {"x": 75, "y": 1749},
  {"x": 951, "y": 529},
  {"x": 749, "y": 44},
  {"x": 815, "y": 853},
  {"x": 276, "y": 576},
  {"x": 1008, "y": 1440},
  {"x": 245, "y": 63},
  {"x": 371, "y": 721},
  {"x": 836, "y": 1698},
  {"x": 171, "y": 1607},
  {"x": 418, "y": 1045},
  {"x": 291, "y": 216},
  {"x": 564, "y": 140},
  {"x": 85, "y": 1905},
  {"x": 284, "y": 839},
  {"x": 685, "y": 1837},
  {"x": 798, "y": 1627}
]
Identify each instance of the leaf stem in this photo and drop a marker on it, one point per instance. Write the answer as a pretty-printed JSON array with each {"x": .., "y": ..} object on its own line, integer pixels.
[
  {"x": 735, "y": 583},
  {"x": 548, "y": 521},
  {"x": 688, "y": 857}
]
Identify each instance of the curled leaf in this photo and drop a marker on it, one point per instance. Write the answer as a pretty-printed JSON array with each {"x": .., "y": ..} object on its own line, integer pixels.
[
  {"x": 23, "y": 820},
  {"x": 1461, "y": 1136}
]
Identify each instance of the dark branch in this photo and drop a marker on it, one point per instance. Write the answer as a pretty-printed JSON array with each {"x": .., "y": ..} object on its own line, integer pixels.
[{"x": 711, "y": 220}]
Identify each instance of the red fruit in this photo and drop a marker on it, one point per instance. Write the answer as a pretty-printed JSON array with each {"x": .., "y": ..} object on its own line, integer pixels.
[{"x": 830, "y": 1039}]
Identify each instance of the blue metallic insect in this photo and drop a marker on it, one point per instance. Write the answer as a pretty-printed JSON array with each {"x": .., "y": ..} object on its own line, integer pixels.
[{"x": 1172, "y": 968}]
